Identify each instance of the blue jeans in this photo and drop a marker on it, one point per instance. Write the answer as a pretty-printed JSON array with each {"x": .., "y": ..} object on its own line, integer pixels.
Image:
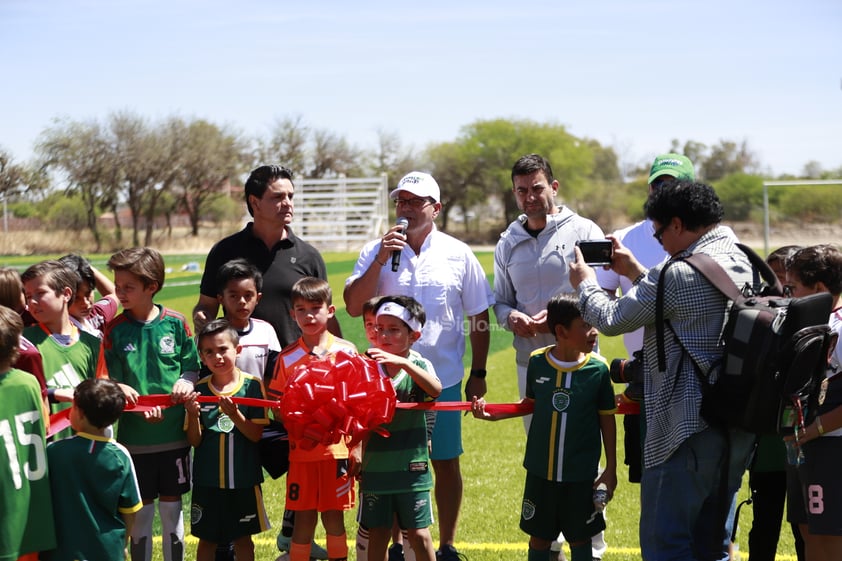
[{"x": 680, "y": 505}]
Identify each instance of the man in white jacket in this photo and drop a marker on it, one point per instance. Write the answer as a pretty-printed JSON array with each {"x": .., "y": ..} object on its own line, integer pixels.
[{"x": 531, "y": 265}]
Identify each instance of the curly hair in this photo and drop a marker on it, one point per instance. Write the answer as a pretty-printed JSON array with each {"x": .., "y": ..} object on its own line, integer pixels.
[{"x": 696, "y": 204}]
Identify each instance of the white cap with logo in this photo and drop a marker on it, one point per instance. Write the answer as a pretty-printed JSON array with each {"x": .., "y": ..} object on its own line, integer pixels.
[{"x": 419, "y": 184}]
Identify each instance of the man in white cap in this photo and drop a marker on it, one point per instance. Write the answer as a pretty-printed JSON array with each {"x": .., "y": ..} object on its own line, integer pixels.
[{"x": 443, "y": 274}]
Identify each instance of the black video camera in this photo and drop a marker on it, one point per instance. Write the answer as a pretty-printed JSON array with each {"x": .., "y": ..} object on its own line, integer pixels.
[{"x": 629, "y": 371}]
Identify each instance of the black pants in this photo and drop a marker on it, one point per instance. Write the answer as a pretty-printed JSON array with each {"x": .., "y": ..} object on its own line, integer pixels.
[{"x": 769, "y": 492}]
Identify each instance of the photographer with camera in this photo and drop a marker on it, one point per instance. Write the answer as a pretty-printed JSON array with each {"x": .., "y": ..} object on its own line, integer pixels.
[
  {"x": 681, "y": 510},
  {"x": 639, "y": 239}
]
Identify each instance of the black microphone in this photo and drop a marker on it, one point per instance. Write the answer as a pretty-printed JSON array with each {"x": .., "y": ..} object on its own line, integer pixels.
[{"x": 396, "y": 255}]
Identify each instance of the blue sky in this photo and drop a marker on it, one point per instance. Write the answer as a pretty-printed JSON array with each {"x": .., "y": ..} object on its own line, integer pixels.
[{"x": 633, "y": 75}]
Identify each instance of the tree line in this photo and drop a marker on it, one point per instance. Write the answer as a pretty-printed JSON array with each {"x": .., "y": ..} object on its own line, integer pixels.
[{"x": 83, "y": 169}]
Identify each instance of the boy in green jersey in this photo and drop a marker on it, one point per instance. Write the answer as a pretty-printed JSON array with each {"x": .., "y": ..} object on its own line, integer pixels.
[
  {"x": 396, "y": 477},
  {"x": 69, "y": 354},
  {"x": 227, "y": 503},
  {"x": 26, "y": 511},
  {"x": 573, "y": 399},
  {"x": 148, "y": 349},
  {"x": 94, "y": 502}
]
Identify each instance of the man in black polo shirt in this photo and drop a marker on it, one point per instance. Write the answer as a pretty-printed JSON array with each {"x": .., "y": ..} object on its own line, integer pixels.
[{"x": 269, "y": 243}]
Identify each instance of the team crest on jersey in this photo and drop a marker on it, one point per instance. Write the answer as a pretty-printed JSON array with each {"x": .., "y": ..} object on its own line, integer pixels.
[
  {"x": 225, "y": 423},
  {"x": 195, "y": 513},
  {"x": 167, "y": 345},
  {"x": 292, "y": 259},
  {"x": 561, "y": 400},
  {"x": 527, "y": 511}
]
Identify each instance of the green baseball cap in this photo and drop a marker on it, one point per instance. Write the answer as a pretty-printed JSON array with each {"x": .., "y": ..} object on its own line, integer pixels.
[{"x": 675, "y": 165}]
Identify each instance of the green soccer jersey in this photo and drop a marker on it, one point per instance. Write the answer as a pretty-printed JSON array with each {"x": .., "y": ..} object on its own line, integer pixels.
[
  {"x": 26, "y": 511},
  {"x": 64, "y": 365},
  {"x": 399, "y": 463},
  {"x": 225, "y": 458},
  {"x": 150, "y": 357},
  {"x": 89, "y": 499},
  {"x": 565, "y": 441}
]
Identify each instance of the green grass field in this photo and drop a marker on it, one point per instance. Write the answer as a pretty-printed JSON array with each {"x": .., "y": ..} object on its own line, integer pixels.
[{"x": 491, "y": 466}]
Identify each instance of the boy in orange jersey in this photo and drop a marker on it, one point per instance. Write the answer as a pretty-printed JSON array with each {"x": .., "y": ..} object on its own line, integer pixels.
[{"x": 321, "y": 479}]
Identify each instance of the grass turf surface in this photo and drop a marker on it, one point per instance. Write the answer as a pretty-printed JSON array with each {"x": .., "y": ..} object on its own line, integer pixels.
[{"x": 491, "y": 465}]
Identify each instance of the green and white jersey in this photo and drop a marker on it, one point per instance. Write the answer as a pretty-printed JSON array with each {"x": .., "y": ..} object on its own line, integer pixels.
[
  {"x": 225, "y": 458},
  {"x": 565, "y": 441},
  {"x": 26, "y": 511},
  {"x": 64, "y": 365},
  {"x": 89, "y": 499},
  {"x": 149, "y": 357},
  {"x": 400, "y": 463}
]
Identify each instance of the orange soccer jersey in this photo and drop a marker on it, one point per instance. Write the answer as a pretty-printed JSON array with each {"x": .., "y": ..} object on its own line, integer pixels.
[{"x": 293, "y": 356}]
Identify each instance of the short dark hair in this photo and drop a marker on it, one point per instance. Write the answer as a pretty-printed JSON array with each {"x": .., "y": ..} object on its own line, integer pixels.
[
  {"x": 237, "y": 269},
  {"x": 562, "y": 309},
  {"x": 11, "y": 326},
  {"x": 216, "y": 326},
  {"x": 81, "y": 265},
  {"x": 818, "y": 263},
  {"x": 101, "y": 401},
  {"x": 696, "y": 204},
  {"x": 55, "y": 275},
  {"x": 311, "y": 289},
  {"x": 529, "y": 164},
  {"x": 143, "y": 262},
  {"x": 260, "y": 178},
  {"x": 781, "y": 254},
  {"x": 413, "y": 306},
  {"x": 370, "y": 306}
]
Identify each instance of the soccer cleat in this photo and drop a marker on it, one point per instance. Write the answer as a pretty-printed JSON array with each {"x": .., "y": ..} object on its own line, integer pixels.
[
  {"x": 316, "y": 551},
  {"x": 449, "y": 553},
  {"x": 396, "y": 552}
]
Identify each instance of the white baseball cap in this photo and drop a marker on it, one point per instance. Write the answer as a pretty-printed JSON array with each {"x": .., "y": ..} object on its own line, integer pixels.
[{"x": 419, "y": 184}]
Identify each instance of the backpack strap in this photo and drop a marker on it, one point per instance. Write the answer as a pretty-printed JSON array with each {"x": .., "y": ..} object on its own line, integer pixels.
[
  {"x": 762, "y": 268},
  {"x": 715, "y": 275}
]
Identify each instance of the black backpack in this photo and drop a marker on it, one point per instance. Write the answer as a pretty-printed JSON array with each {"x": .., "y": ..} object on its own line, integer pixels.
[{"x": 775, "y": 352}]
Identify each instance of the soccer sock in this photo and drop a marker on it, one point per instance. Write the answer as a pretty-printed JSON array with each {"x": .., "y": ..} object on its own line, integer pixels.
[
  {"x": 581, "y": 551},
  {"x": 362, "y": 543},
  {"x": 337, "y": 546},
  {"x": 299, "y": 552},
  {"x": 540, "y": 555},
  {"x": 141, "y": 546},
  {"x": 288, "y": 523},
  {"x": 172, "y": 530},
  {"x": 408, "y": 551}
]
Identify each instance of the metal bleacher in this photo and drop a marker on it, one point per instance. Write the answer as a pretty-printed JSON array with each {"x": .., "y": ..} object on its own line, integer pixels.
[{"x": 341, "y": 214}]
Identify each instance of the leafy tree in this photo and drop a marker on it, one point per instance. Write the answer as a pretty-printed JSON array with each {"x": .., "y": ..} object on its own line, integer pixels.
[
  {"x": 287, "y": 145},
  {"x": 209, "y": 158},
  {"x": 333, "y": 155},
  {"x": 740, "y": 194},
  {"x": 391, "y": 157},
  {"x": 726, "y": 158},
  {"x": 81, "y": 152},
  {"x": 820, "y": 203},
  {"x": 478, "y": 164}
]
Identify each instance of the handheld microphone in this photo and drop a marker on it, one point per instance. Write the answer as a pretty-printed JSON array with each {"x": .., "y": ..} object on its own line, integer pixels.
[{"x": 396, "y": 255}]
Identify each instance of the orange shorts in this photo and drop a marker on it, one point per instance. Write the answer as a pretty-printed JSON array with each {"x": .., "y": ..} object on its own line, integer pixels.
[{"x": 322, "y": 485}]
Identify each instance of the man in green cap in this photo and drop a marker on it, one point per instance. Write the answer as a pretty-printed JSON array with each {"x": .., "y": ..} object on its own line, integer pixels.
[{"x": 641, "y": 241}]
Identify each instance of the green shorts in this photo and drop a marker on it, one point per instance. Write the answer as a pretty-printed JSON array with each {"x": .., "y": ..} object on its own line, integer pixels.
[
  {"x": 550, "y": 507},
  {"x": 414, "y": 510},
  {"x": 223, "y": 515}
]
